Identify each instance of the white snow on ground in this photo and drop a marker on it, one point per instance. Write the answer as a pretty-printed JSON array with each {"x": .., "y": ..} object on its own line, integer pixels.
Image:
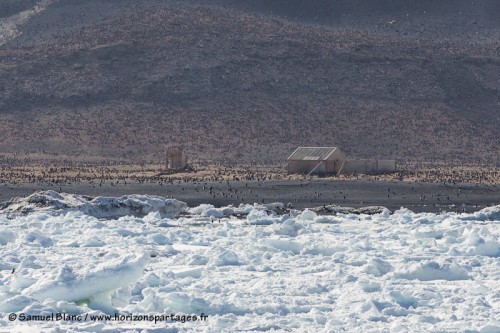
[
  {"x": 298, "y": 272},
  {"x": 9, "y": 25}
]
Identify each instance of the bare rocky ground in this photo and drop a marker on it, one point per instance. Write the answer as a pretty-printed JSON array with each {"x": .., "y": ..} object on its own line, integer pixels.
[
  {"x": 239, "y": 81},
  {"x": 89, "y": 86},
  {"x": 417, "y": 187},
  {"x": 418, "y": 197}
]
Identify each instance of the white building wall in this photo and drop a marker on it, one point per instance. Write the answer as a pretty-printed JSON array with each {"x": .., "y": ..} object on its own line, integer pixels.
[{"x": 369, "y": 166}]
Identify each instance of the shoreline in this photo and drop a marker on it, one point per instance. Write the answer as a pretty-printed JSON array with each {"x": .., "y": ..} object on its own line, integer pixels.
[{"x": 301, "y": 194}]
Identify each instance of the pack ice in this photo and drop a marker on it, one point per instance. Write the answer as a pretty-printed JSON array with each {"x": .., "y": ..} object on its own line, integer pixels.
[
  {"x": 255, "y": 270},
  {"x": 102, "y": 207}
]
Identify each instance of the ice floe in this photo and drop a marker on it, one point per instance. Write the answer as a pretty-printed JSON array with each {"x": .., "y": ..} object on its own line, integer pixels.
[
  {"x": 248, "y": 268},
  {"x": 102, "y": 207}
]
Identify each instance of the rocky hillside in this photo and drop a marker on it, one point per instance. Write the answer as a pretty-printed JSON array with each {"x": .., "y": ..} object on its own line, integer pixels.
[{"x": 229, "y": 81}]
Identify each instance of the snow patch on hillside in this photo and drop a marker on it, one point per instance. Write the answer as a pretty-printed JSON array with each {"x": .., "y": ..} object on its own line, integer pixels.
[{"x": 9, "y": 25}]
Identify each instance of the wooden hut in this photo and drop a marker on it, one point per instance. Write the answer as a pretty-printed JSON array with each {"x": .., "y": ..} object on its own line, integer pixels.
[
  {"x": 316, "y": 160},
  {"x": 176, "y": 159}
]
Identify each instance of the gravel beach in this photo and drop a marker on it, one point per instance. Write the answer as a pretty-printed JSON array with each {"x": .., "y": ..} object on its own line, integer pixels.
[{"x": 416, "y": 196}]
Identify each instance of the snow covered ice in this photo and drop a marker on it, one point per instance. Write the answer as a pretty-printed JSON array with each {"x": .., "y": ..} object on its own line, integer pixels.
[{"x": 261, "y": 271}]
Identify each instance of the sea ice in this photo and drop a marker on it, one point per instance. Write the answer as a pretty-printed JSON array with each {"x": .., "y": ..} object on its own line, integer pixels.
[{"x": 256, "y": 270}]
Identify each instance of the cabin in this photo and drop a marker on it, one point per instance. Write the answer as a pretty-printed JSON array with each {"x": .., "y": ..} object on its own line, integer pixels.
[
  {"x": 316, "y": 160},
  {"x": 176, "y": 159}
]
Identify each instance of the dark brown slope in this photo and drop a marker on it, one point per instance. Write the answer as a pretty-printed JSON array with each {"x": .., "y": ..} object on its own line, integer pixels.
[
  {"x": 228, "y": 86},
  {"x": 438, "y": 17},
  {"x": 12, "y": 7},
  {"x": 430, "y": 18}
]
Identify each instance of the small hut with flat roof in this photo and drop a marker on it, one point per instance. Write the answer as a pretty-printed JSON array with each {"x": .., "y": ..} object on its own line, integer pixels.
[{"x": 176, "y": 159}]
